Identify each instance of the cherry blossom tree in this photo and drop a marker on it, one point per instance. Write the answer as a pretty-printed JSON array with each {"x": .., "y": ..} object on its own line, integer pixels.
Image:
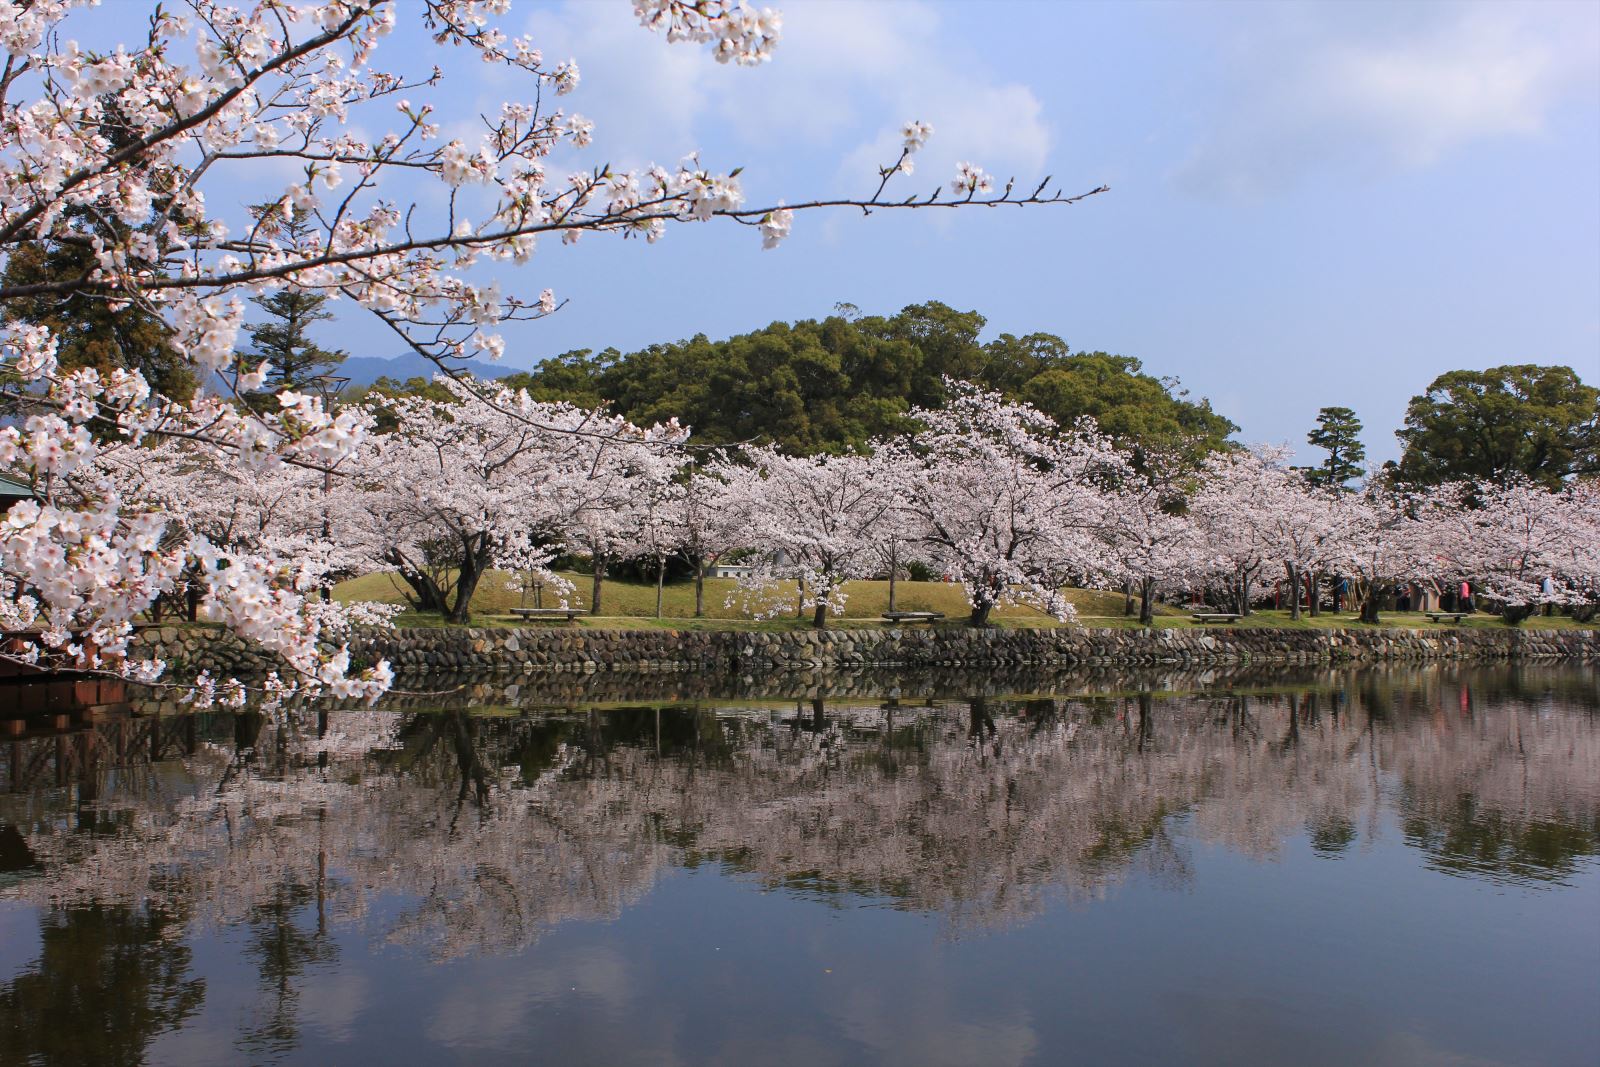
[
  {"x": 711, "y": 519},
  {"x": 492, "y": 477},
  {"x": 1150, "y": 543},
  {"x": 1304, "y": 525},
  {"x": 657, "y": 498},
  {"x": 814, "y": 519},
  {"x": 1386, "y": 544},
  {"x": 1519, "y": 543},
  {"x": 1233, "y": 522},
  {"x": 604, "y": 520},
  {"x": 289, "y": 512},
  {"x": 1581, "y": 565},
  {"x": 1002, "y": 500},
  {"x": 151, "y": 155}
]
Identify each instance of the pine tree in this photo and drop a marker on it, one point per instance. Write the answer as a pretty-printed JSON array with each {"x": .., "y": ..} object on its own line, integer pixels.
[
  {"x": 1339, "y": 433},
  {"x": 90, "y": 330},
  {"x": 284, "y": 338}
]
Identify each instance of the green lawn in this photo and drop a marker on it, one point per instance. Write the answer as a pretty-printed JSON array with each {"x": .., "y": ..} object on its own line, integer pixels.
[
  {"x": 631, "y": 605},
  {"x": 624, "y": 601}
]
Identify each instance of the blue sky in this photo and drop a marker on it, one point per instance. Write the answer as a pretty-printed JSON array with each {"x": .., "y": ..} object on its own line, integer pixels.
[{"x": 1311, "y": 203}]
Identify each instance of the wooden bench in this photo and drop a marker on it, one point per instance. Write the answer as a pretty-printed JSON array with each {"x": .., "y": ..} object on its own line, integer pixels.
[
  {"x": 1453, "y": 616},
  {"x": 912, "y": 616},
  {"x": 1214, "y": 616},
  {"x": 548, "y": 613}
]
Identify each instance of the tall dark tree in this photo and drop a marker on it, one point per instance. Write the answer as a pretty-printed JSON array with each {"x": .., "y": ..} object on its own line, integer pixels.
[
  {"x": 284, "y": 337},
  {"x": 1338, "y": 433},
  {"x": 90, "y": 331},
  {"x": 1491, "y": 425}
]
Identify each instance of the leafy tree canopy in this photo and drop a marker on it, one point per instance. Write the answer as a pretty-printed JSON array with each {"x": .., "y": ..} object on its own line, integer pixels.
[
  {"x": 1541, "y": 422},
  {"x": 834, "y": 384},
  {"x": 89, "y": 330}
]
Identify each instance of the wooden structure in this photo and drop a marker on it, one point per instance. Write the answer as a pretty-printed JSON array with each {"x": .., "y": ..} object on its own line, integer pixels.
[
  {"x": 912, "y": 616},
  {"x": 12, "y": 491},
  {"x": 548, "y": 613},
  {"x": 71, "y": 732},
  {"x": 1214, "y": 616}
]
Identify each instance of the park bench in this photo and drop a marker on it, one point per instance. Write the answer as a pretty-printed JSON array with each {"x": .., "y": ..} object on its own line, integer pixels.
[
  {"x": 1214, "y": 616},
  {"x": 912, "y": 616},
  {"x": 1453, "y": 616},
  {"x": 548, "y": 613}
]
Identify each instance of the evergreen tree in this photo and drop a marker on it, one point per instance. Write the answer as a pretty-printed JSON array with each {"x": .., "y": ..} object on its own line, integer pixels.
[
  {"x": 284, "y": 338},
  {"x": 830, "y": 386},
  {"x": 1521, "y": 420},
  {"x": 1338, "y": 432},
  {"x": 92, "y": 331}
]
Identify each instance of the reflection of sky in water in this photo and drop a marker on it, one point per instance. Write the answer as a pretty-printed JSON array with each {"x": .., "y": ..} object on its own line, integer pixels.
[{"x": 1402, "y": 875}]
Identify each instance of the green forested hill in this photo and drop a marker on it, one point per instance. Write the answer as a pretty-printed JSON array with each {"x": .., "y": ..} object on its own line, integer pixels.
[{"x": 833, "y": 384}]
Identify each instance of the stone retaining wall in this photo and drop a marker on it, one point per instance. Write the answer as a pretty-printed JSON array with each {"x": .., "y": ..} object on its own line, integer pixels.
[{"x": 544, "y": 649}]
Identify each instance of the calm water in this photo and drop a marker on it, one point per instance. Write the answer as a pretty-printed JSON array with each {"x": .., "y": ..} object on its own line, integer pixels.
[{"x": 1391, "y": 867}]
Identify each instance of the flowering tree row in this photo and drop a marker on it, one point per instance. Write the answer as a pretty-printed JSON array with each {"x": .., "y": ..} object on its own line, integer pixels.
[
  {"x": 987, "y": 492},
  {"x": 233, "y": 152},
  {"x": 996, "y": 497}
]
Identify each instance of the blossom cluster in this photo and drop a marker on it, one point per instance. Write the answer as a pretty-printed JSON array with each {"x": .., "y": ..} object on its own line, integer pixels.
[{"x": 736, "y": 32}]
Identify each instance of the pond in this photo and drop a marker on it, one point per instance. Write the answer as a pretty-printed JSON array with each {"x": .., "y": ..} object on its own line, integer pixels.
[{"x": 1378, "y": 867}]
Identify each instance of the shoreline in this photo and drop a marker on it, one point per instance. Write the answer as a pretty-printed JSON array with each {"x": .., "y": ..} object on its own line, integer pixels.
[{"x": 422, "y": 650}]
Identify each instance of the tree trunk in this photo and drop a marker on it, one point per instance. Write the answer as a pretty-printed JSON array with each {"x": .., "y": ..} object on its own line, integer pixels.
[
  {"x": 1244, "y": 596},
  {"x": 980, "y": 614},
  {"x": 800, "y": 598},
  {"x": 472, "y": 567},
  {"x": 1315, "y": 594},
  {"x": 819, "y": 617},
  {"x": 1369, "y": 606},
  {"x": 661, "y": 570},
  {"x": 1127, "y": 597},
  {"x": 1513, "y": 614},
  {"x": 1147, "y": 606},
  {"x": 599, "y": 576},
  {"x": 429, "y": 597},
  {"x": 699, "y": 587},
  {"x": 893, "y": 566},
  {"x": 1294, "y": 590}
]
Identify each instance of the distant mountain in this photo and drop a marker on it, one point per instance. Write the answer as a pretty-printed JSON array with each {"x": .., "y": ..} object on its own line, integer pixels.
[{"x": 364, "y": 370}]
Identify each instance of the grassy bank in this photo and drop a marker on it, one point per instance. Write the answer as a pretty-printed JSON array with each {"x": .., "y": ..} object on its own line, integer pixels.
[{"x": 631, "y": 605}]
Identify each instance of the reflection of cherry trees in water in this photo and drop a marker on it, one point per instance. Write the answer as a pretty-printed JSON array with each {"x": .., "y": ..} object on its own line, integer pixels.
[{"x": 491, "y": 828}]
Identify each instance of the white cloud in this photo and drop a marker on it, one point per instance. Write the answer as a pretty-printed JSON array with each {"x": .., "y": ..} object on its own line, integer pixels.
[
  {"x": 844, "y": 78},
  {"x": 1334, "y": 86}
]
